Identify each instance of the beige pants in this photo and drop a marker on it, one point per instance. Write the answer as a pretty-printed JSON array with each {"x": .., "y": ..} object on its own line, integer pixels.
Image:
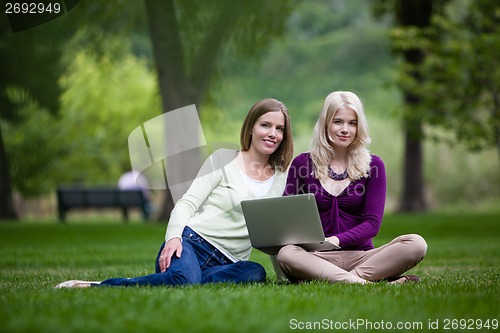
[{"x": 392, "y": 259}]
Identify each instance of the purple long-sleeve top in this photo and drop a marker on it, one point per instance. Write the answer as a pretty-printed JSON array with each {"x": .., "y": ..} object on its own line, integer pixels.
[{"x": 355, "y": 215}]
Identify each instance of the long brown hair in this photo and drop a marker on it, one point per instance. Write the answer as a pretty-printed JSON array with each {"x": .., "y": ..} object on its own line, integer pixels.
[{"x": 282, "y": 156}]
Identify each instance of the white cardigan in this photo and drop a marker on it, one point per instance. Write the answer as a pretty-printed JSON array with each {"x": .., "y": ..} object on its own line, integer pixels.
[{"x": 212, "y": 208}]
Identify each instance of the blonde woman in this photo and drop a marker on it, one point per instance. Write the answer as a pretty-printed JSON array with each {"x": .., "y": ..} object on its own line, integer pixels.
[
  {"x": 349, "y": 185},
  {"x": 207, "y": 240}
]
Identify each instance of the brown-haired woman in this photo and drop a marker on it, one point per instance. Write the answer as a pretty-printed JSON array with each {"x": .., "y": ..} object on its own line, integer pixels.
[{"x": 207, "y": 240}]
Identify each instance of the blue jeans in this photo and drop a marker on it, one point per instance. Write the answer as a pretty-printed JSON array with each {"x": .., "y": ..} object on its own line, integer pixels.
[{"x": 200, "y": 263}]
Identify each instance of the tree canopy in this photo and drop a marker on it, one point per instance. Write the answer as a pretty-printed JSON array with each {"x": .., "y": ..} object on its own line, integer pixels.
[
  {"x": 462, "y": 87},
  {"x": 80, "y": 84}
]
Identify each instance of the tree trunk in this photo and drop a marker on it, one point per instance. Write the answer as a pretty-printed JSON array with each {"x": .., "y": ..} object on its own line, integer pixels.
[
  {"x": 413, "y": 13},
  {"x": 7, "y": 211},
  {"x": 413, "y": 195},
  {"x": 495, "y": 116},
  {"x": 168, "y": 54},
  {"x": 177, "y": 88}
]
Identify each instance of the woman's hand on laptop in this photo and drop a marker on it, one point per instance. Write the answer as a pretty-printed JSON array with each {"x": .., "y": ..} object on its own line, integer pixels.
[
  {"x": 173, "y": 245},
  {"x": 333, "y": 239}
]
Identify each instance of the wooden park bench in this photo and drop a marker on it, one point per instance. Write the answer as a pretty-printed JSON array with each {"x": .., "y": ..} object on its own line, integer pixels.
[{"x": 70, "y": 197}]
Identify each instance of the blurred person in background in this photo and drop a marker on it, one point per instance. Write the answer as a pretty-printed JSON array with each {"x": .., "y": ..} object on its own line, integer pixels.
[{"x": 133, "y": 180}]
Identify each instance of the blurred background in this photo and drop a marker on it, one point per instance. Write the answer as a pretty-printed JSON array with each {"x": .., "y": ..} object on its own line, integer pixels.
[{"x": 428, "y": 72}]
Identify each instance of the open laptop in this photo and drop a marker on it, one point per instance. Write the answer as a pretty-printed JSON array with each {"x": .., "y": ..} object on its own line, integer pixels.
[{"x": 275, "y": 222}]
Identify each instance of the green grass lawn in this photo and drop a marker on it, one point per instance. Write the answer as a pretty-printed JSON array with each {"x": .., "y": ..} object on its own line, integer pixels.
[{"x": 459, "y": 287}]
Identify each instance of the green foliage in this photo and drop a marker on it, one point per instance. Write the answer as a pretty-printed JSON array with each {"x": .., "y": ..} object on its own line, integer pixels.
[
  {"x": 205, "y": 29},
  {"x": 31, "y": 145},
  {"x": 463, "y": 75},
  {"x": 106, "y": 90},
  {"x": 260, "y": 23},
  {"x": 458, "y": 83},
  {"x": 329, "y": 45},
  {"x": 104, "y": 99},
  {"x": 29, "y": 61},
  {"x": 109, "y": 87},
  {"x": 458, "y": 282},
  {"x": 96, "y": 24}
]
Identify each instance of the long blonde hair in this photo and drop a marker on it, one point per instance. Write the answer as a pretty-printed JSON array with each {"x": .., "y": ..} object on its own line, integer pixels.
[{"x": 322, "y": 152}]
